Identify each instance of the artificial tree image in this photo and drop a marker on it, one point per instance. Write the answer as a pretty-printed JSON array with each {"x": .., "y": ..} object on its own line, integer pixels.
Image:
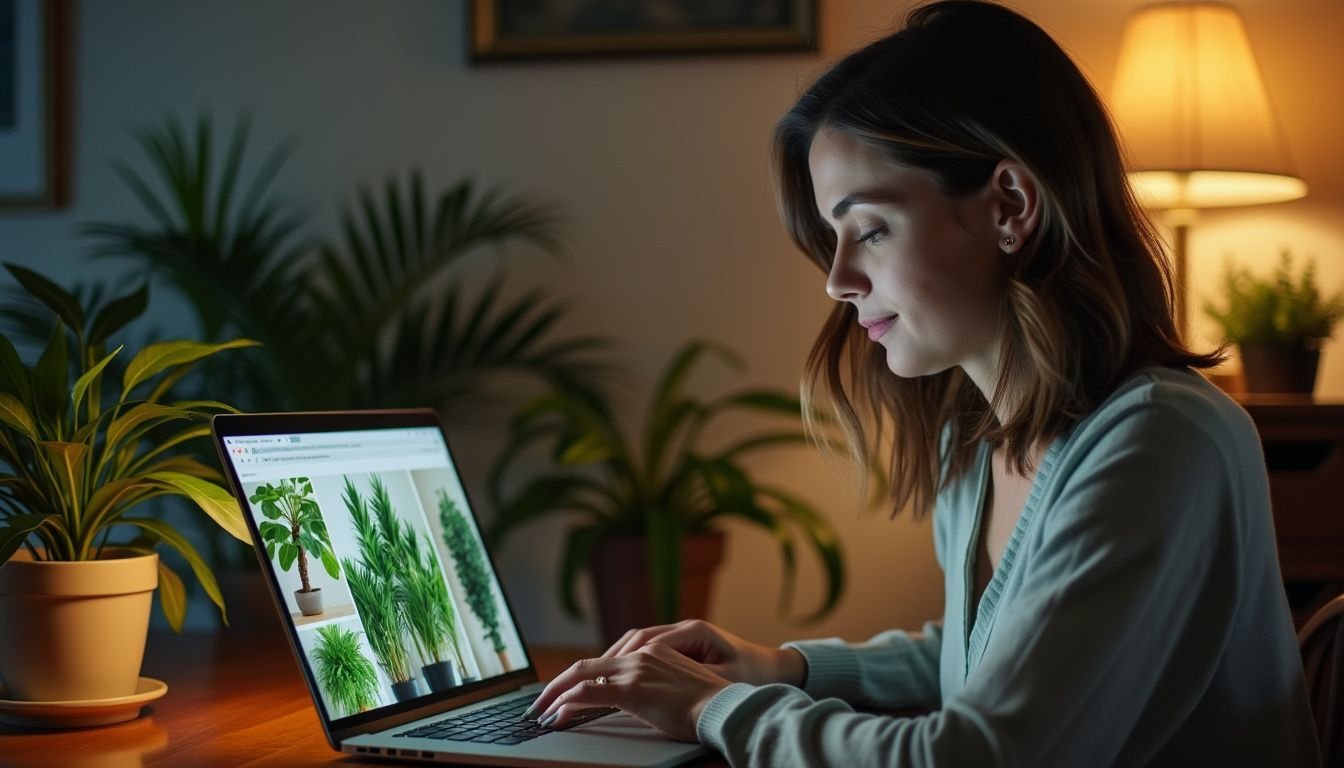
[
  {"x": 293, "y": 530},
  {"x": 401, "y": 595},
  {"x": 346, "y": 676},
  {"x": 469, "y": 560}
]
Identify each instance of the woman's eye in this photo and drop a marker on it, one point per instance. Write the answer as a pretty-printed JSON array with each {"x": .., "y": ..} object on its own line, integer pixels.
[{"x": 872, "y": 236}]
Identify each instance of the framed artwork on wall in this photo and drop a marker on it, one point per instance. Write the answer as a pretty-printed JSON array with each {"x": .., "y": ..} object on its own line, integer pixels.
[
  {"x": 522, "y": 29},
  {"x": 34, "y": 103}
]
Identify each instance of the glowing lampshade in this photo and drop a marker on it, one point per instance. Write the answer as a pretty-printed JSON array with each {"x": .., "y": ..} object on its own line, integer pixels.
[{"x": 1193, "y": 113}]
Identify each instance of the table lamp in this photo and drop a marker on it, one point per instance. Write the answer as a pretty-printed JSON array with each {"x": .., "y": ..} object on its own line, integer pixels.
[{"x": 1196, "y": 121}]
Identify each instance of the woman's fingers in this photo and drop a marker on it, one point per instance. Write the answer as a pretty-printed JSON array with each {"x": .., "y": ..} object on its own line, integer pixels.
[
  {"x": 633, "y": 639},
  {"x": 579, "y": 671},
  {"x": 586, "y": 694}
]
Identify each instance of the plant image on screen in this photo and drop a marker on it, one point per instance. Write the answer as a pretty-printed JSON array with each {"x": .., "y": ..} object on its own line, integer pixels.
[
  {"x": 422, "y": 594},
  {"x": 472, "y": 571},
  {"x": 372, "y": 581},
  {"x": 346, "y": 676},
  {"x": 292, "y": 530}
]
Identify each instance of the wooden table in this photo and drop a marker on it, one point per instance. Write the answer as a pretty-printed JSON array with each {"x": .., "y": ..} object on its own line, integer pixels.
[{"x": 234, "y": 699}]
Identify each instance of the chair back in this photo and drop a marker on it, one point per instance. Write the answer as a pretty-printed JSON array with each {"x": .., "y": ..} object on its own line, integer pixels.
[{"x": 1322, "y": 642}]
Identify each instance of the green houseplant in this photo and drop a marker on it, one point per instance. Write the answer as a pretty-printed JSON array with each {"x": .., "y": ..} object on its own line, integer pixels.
[
  {"x": 294, "y": 529},
  {"x": 346, "y": 676},
  {"x": 656, "y": 500},
  {"x": 469, "y": 561},
  {"x": 372, "y": 581},
  {"x": 77, "y": 461},
  {"x": 1277, "y": 323}
]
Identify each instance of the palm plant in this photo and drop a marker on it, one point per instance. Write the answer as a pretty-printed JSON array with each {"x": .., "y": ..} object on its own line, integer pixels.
[
  {"x": 346, "y": 676},
  {"x": 372, "y": 582},
  {"x": 77, "y": 461},
  {"x": 428, "y": 609},
  {"x": 469, "y": 560},
  {"x": 673, "y": 489},
  {"x": 389, "y": 323}
]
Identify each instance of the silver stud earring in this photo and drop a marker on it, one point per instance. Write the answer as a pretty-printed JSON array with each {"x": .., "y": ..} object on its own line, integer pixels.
[{"x": 1008, "y": 241}]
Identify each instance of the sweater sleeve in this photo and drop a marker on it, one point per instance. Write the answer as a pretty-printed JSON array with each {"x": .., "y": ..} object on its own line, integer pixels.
[
  {"x": 893, "y": 670},
  {"x": 1134, "y": 578}
]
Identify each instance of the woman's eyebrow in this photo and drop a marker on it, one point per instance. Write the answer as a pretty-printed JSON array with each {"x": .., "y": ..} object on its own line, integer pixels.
[{"x": 859, "y": 198}]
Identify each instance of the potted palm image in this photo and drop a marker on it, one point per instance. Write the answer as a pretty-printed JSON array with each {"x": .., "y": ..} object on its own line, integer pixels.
[
  {"x": 471, "y": 571},
  {"x": 429, "y": 612},
  {"x": 372, "y": 581},
  {"x": 346, "y": 676},
  {"x": 293, "y": 530}
]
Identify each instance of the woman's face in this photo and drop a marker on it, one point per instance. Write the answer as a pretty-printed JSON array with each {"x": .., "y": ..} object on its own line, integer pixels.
[{"x": 924, "y": 271}]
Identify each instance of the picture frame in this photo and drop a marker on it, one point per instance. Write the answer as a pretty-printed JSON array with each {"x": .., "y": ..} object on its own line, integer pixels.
[
  {"x": 534, "y": 29},
  {"x": 34, "y": 103}
]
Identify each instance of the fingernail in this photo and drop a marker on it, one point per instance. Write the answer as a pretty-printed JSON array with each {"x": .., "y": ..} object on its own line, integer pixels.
[
  {"x": 546, "y": 721},
  {"x": 531, "y": 711}
]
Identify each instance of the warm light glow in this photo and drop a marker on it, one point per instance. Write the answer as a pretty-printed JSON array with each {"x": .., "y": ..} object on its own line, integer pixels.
[
  {"x": 1167, "y": 190},
  {"x": 1193, "y": 113}
]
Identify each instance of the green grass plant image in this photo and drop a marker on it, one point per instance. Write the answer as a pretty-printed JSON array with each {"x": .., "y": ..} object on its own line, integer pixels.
[{"x": 346, "y": 676}]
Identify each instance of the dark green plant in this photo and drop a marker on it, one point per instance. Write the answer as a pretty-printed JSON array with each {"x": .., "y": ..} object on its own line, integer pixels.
[
  {"x": 300, "y": 530},
  {"x": 380, "y": 318},
  {"x": 671, "y": 488},
  {"x": 347, "y": 677},
  {"x": 469, "y": 560},
  {"x": 1285, "y": 308},
  {"x": 426, "y": 604},
  {"x": 372, "y": 581},
  {"x": 77, "y": 461}
]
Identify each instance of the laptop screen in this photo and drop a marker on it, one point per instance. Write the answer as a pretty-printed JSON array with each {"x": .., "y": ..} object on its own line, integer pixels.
[{"x": 380, "y": 562}]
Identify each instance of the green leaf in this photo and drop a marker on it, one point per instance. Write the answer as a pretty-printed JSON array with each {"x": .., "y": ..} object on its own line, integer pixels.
[
  {"x": 130, "y": 423},
  {"x": 51, "y": 379},
  {"x": 82, "y": 384},
  {"x": 15, "y": 378},
  {"x": 172, "y": 596},
  {"x": 14, "y": 414},
  {"x": 270, "y": 510},
  {"x": 53, "y": 296},
  {"x": 156, "y": 358},
  {"x": 288, "y": 554},
  {"x": 117, "y": 313},
  {"x": 69, "y": 459},
  {"x": 169, "y": 535},
  {"x": 17, "y": 529},
  {"x": 213, "y": 500},
  {"x": 329, "y": 563}
]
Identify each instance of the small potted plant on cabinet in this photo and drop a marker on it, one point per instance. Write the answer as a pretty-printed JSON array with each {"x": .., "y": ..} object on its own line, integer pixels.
[
  {"x": 1278, "y": 324},
  {"x": 294, "y": 529}
]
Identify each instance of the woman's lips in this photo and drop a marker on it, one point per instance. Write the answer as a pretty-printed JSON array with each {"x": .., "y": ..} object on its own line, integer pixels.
[{"x": 879, "y": 327}]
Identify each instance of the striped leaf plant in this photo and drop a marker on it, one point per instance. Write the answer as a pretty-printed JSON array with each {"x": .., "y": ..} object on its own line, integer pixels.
[{"x": 76, "y": 461}]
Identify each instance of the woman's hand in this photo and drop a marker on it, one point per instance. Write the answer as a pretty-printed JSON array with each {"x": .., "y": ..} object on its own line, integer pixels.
[
  {"x": 726, "y": 654},
  {"x": 655, "y": 684}
]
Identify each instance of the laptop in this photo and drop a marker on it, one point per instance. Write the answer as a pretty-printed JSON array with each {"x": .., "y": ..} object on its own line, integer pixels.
[{"x": 391, "y": 601}]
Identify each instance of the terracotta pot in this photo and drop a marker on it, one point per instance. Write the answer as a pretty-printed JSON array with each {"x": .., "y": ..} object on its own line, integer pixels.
[
  {"x": 625, "y": 591},
  {"x": 75, "y": 631},
  {"x": 1279, "y": 369}
]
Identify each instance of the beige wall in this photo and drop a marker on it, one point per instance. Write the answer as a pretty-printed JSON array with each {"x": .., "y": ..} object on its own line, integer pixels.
[{"x": 660, "y": 166}]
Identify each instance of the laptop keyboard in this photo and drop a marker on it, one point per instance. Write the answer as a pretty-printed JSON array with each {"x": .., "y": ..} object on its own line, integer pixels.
[{"x": 500, "y": 723}]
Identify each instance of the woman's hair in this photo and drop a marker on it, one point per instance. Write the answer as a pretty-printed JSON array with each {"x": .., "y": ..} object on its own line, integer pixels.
[{"x": 961, "y": 87}]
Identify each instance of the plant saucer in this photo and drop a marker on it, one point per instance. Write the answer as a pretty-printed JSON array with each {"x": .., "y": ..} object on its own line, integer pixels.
[{"x": 80, "y": 714}]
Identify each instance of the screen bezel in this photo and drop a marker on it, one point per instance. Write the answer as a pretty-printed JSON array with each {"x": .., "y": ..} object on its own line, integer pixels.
[{"x": 248, "y": 425}]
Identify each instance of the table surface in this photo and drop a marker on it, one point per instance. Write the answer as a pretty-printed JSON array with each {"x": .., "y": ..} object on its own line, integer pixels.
[{"x": 234, "y": 699}]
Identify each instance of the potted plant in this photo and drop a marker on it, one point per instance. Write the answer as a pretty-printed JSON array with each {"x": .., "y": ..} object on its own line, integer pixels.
[
  {"x": 469, "y": 561},
  {"x": 345, "y": 674},
  {"x": 650, "y": 530},
  {"x": 76, "y": 462},
  {"x": 430, "y": 615},
  {"x": 372, "y": 581},
  {"x": 1278, "y": 324},
  {"x": 294, "y": 529}
]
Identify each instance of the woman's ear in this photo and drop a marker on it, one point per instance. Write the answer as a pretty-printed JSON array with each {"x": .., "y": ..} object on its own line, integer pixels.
[{"x": 1016, "y": 204}]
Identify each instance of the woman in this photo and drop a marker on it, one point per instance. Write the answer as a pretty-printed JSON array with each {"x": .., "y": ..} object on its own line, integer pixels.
[{"x": 1101, "y": 511}]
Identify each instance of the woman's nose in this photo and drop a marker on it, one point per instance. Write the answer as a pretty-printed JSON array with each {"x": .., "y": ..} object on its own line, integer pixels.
[{"x": 846, "y": 281}]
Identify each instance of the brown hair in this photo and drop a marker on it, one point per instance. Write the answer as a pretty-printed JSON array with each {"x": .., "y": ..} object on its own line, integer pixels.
[{"x": 962, "y": 86}]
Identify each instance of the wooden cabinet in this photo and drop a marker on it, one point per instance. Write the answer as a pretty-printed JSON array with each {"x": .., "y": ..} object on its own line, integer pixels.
[{"x": 1304, "y": 452}]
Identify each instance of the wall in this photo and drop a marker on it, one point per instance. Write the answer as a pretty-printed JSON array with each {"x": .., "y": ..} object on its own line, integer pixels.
[{"x": 660, "y": 166}]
